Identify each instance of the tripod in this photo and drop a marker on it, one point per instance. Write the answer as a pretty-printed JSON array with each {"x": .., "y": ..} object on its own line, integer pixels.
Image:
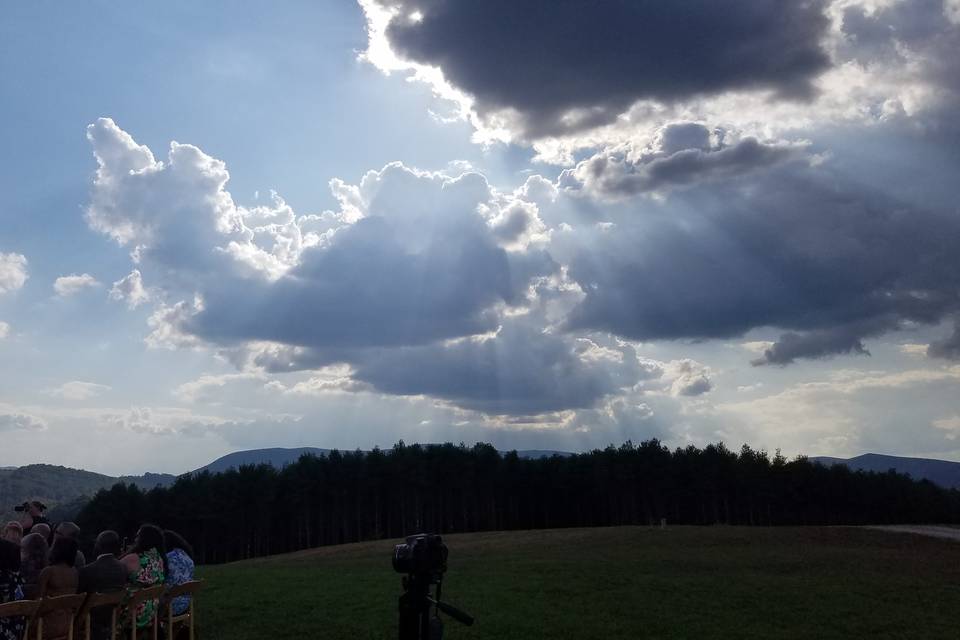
[{"x": 416, "y": 621}]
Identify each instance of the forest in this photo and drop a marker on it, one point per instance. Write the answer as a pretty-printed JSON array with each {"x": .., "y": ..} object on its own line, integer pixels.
[{"x": 354, "y": 496}]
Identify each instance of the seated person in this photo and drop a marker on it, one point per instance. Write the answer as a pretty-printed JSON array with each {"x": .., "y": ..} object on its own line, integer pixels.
[
  {"x": 180, "y": 567},
  {"x": 60, "y": 578},
  {"x": 72, "y": 531},
  {"x": 103, "y": 575},
  {"x": 43, "y": 529},
  {"x": 33, "y": 559},
  {"x": 146, "y": 566},
  {"x": 13, "y": 532},
  {"x": 10, "y": 589}
]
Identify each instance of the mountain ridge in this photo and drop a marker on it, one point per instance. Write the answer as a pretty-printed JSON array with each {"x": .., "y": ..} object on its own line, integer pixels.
[
  {"x": 940, "y": 472},
  {"x": 65, "y": 490}
]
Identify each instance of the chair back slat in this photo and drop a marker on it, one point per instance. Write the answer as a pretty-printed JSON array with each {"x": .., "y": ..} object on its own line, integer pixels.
[
  {"x": 142, "y": 595},
  {"x": 71, "y": 602},
  {"x": 19, "y": 608},
  {"x": 150, "y": 593},
  {"x": 185, "y": 589},
  {"x": 112, "y": 599},
  {"x": 97, "y": 600}
]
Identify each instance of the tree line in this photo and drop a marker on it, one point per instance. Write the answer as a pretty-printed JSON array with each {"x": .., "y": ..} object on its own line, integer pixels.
[{"x": 353, "y": 496}]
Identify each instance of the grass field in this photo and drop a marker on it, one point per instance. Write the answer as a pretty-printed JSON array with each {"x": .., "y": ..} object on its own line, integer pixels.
[{"x": 624, "y": 582}]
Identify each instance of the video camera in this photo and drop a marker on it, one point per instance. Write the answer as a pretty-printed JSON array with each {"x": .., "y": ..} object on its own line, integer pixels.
[
  {"x": 423, "y": 558},
  {"x": 30, "y": 503}
]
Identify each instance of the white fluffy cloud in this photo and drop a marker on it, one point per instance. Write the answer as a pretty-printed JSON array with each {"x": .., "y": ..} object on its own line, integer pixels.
[
  {"x": 10, "y": 422},
  {"x": 130, "y": 289},
  {"x": 70, "y": 285},
  {"x": 688, "y": 377},
  {"x": 79, "y": 390},
  {"x": 13, "y": 271},
  {"x": 4, "y": 329},
  {"x": 851, "y": 412}
]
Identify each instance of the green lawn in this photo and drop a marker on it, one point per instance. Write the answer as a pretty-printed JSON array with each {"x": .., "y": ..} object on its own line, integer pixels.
[{"x": 624, "y": 582}]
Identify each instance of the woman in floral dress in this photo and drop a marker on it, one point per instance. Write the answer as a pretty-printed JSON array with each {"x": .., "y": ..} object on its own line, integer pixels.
[
  {"x": 147, "y": 564},
  {"x": 10, "y": 588}
]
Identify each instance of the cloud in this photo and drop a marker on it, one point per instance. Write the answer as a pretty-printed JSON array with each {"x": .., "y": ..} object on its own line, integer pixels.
[
  {"x": 415, "y": 271},
  {"x": 951, "y": 425},
  {"x": 163, "y": 421},
  {"x": 13, "y": 271},
  {"x": 10, "y": 422},
  {"x": 949, "y": 347},
  {"x": 688, "y": 378},
  {"x": 519, "y": 371},
  {"x": 201, "y": 389},
  {"x": 4, "y": 330},
  {"x": 410, "y": 257},
  {"x": 796, "y": 247},
  {"x": 549, "y": 68},
  {"x": 131, "y": 289},
  {"x": 682, "y": 154},
  {"x": 69, "y": 285},
  {"x": 912, "y": 349},
  {"x": 78, "y": 390},
  {"x": 814, "y": 344},
  {"x": 849, "y": 413}
]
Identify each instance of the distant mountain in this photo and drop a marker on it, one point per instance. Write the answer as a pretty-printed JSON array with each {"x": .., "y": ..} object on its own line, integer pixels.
[
  {"x": 57, "y": 486},
  {"x": 541, "y": 453},
  {"x": 276, "y": 457},
  {"x": 941, "y": 472},
  {"x": 279, "y": 457}
]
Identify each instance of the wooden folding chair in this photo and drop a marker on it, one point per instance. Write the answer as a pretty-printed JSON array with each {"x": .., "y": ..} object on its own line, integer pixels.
[
  {"x": 97, "y": 601},
  {"x": 25, "y": 609},
  {"x": 150, "y": 593},
  {"x": 69, "y": 603},
  {"x": 169, "y": 619}
]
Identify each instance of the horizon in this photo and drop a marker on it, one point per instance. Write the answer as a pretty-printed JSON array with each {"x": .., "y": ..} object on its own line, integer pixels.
[
  {"x": 231, "y": 228},
  {"x": 436, "y": 444}
]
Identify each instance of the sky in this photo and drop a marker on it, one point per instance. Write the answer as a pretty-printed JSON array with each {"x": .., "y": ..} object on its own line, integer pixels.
[{"x": 543, "y": 225}]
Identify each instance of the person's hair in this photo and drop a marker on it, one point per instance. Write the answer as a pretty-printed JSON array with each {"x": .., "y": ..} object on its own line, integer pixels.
[
  {"x": 9, "y": 556},
  {"x": 34, "y": 549},
  {"x": 150, "y": 536},
  {"x": 68, "y": 530},
  {"x": 173, "y": 540},
  {"x": 64, "y": 551},
  {"x": 108, "y": 542},
  {"x": 13, "y": 524},
  {"x": 45, "y": 528}
]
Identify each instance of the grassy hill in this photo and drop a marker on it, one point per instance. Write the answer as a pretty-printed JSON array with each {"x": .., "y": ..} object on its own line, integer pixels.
[
  {"x": 57, "y": 486},
  {"x": 623, "y": 582}
]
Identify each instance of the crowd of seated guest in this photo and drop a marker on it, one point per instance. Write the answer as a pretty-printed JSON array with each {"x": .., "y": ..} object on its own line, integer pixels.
[{"x": 37, "y": 562}]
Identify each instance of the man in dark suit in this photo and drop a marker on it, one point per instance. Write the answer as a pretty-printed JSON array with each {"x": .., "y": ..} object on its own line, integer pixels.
[{"x": 103, "y": 575}]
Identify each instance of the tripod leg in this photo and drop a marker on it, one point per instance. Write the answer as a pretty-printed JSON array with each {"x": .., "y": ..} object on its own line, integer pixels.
[{"x": 410, "y": 617}]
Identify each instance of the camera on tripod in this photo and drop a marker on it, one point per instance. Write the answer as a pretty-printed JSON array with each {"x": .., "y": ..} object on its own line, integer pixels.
[
  {"x": 423, "y": 557},
  {"x": 423, "y": 554}
]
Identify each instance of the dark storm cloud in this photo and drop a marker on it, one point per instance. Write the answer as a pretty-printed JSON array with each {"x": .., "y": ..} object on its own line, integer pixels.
[
  {"x": 794, "y": 248},
  {"x": 685, "y": 155},
  {"x": 567, "y": 65},
  {"x": 814, "y": 344},
  {"x": 520, "y": 371},
  {"x": 368, "y": 288},
  {"x": 949, "y": 347}
]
